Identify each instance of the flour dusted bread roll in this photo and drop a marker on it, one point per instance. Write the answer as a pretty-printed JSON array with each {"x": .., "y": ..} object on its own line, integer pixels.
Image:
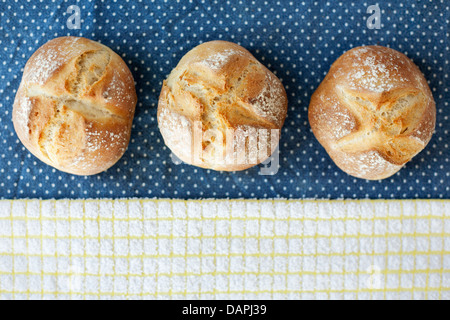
[
  {"x": 221, "y": 109},
  {"x": 373, "y": 112},
  {"x": 75, "y": 106}
]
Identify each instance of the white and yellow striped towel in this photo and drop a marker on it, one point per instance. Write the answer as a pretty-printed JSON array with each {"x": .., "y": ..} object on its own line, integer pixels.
[{"x": 163, "y": 249}]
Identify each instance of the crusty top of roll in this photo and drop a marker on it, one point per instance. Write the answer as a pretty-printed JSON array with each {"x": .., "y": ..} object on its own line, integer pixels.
[
  {"x": 222, "y": 86},
  {"x": 373, "y": 112},
  {"x": 75, "y": 105}
]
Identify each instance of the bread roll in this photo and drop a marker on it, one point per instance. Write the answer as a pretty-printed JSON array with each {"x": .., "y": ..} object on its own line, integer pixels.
[
  {"x": 75, "y": 106},
  {"x": 221, "y": 109},
  {"x": 373, "y": 112}
]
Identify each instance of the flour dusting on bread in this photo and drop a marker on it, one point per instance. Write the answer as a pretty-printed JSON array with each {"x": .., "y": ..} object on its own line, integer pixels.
[
  {"x": 219, "y": 59},
  {"x": 270, "y": 95},
  {"x": 373, "y": 70},
  {"x": 51, "y": 58},
  {"x": 23, "y": 111}
]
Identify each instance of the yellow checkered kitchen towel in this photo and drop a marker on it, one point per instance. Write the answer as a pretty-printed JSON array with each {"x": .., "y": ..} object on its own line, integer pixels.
[{"x": 162, "y": 249}]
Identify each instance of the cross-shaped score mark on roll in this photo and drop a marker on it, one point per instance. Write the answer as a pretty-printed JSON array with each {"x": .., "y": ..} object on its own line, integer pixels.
[
  {"x": 73, "y": 103},
  {"x": 384, "y": 123}
]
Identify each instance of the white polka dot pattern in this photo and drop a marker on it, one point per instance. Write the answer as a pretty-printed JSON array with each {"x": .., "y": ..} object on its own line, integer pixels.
[{"x": 297, "y": 40}]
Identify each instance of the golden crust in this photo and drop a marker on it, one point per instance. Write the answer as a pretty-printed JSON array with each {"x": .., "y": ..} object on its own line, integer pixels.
[
  {"x": 373, "y": 112},
  {"x": 221, "y": 96},
  {"x": 75, "y": 106}
]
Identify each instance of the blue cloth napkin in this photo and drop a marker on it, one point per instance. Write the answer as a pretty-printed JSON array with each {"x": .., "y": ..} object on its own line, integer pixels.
[{"x": 297, "y": 40}]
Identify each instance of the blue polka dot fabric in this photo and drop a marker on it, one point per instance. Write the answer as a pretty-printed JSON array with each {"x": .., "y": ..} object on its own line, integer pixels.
[{"x": 297, "y": 40}]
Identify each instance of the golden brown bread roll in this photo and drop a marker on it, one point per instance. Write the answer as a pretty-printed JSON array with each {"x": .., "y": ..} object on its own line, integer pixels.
[
  {"x": 373, "y": 112},
  {"x": 75, "y": 106},
  {"x": 221, "y": 109}
]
